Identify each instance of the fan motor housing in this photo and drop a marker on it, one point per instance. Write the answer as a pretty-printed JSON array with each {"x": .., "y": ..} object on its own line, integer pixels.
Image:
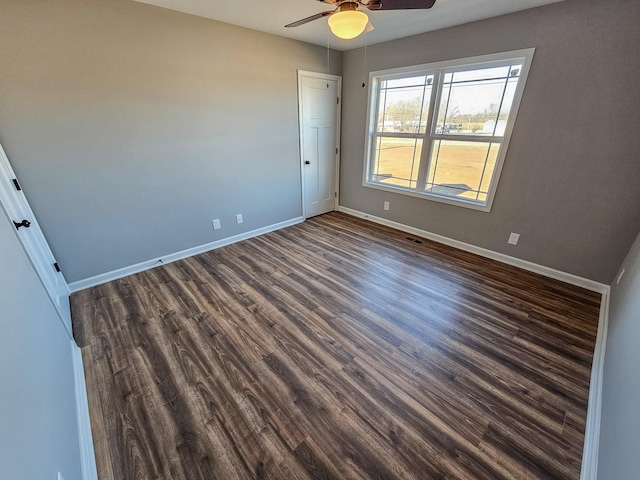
[{"x": 347, "y": 6}]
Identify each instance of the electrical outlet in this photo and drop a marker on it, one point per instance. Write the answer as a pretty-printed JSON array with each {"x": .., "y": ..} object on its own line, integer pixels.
[
  {"x": 386, "y": 205},
  {"x": 513, "y": 238},
  {"x": 216, "y": 224},
  {"x": 239, "y": 218}
]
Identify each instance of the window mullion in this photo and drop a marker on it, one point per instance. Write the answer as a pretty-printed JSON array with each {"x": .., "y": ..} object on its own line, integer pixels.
[
  {"x": 469, "y": 138},
  {"x": 427, "y": 143},
  {"x": 400, "y": 135},
  {"x": 484, "y": 170}
]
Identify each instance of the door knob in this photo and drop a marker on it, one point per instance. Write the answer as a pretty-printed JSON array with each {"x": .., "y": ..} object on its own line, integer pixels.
[
  {"x": 23, "y": 223},
  {"x": 307, "y": 162}
]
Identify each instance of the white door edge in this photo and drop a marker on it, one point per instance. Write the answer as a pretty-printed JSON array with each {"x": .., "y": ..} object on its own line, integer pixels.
[
  {"x": 16, "y": 207},
  {"x": 338, "y": 79}
]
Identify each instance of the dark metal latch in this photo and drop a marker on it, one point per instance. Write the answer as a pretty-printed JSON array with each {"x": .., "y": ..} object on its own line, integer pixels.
[{"x": 23, "y": 223}]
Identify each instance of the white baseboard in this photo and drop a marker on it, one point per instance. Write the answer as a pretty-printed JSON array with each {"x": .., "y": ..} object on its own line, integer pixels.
[
  {"x": 87, "y": 454},
  {"x": 156, "y": 262},
  {"x": 591, "y": 447},
  {"x": 483, "y": 252}
]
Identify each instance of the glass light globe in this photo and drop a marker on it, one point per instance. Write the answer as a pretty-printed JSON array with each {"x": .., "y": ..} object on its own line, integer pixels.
[{"x": 348, "y": 24}]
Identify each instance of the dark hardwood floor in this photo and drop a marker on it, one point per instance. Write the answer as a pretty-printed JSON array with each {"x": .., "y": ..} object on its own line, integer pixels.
[{"x": 337, "y": 349}]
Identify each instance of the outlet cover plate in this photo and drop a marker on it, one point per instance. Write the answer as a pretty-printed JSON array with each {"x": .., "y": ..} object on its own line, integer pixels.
[
  {"x": 216, "y": 224},
  {"x": 239, "y": 218},
  {"x": 513, "y": 238}
]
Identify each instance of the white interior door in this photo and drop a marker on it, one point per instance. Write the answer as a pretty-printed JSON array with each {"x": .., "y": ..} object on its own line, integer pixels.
[
  {"x": 319, "y": 103},
  {"x": 15, "y": 205}
]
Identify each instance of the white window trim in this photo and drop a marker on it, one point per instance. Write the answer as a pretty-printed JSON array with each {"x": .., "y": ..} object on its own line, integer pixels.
[{"x": 525, "y": 55}]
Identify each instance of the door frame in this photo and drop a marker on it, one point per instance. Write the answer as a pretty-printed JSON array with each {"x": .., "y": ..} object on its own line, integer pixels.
[
  {"x": 13, "y": 206},
  {"x": 321, "y": 76}
]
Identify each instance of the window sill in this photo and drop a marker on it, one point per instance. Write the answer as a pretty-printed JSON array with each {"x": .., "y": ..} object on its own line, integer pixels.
[{"x": 431, "y": 196}]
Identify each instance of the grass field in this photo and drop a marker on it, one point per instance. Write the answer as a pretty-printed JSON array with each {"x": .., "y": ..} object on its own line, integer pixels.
[{"x": 456, "y": 168}]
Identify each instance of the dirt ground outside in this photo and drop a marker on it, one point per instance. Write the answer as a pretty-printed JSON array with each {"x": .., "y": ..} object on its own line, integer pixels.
[{"x": 456, "y": 168}]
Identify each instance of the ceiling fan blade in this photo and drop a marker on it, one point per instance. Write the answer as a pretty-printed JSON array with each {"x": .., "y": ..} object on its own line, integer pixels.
[
  {"x": 309, "y": 19},
  {"x": 330, "y": 2},
  {"x": 398, "y": 4}
]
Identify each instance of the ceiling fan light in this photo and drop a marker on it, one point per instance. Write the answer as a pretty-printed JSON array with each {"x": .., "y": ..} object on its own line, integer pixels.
[{"x": 348, "y": 24}]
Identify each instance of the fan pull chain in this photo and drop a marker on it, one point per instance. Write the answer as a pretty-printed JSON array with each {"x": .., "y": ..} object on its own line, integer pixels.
[
  {"x": 364, "y": 65},
  {"x": 328, "y": 58},
  {"x": 364, "y": 61}
]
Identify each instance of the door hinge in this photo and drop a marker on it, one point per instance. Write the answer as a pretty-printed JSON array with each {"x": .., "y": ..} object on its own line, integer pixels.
[
  {"x": 338, "y": 101},
  {"x": 335, "y": 194},
  {"x": 336, "y": 150},
  {"x": 16, "y": 184},
  {"x": 57, "y": 267}
]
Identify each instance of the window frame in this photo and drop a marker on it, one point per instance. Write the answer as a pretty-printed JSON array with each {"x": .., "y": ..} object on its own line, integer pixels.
[{"x": 429, "y": 137}]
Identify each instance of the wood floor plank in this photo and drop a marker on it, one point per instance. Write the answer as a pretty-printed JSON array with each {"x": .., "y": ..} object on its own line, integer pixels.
[{"x": 337, "y": 349}]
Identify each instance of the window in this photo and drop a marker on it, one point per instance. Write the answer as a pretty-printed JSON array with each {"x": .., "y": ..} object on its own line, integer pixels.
[{"x": 441, "y": 130}]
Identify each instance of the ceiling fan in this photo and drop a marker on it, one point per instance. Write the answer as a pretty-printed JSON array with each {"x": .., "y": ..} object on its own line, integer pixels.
[{"x": 348, "y": 21}]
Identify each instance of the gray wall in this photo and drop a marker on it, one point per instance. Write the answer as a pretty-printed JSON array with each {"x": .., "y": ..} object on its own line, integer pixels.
[
  {"x": 38, "y": 427},
  {"x": 132, "y": 126},
  {"x": 570, "y": 181},
  {"x": 620, "y": 428}
]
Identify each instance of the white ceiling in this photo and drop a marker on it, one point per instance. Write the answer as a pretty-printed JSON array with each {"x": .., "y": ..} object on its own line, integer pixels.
[{"x": 271, "y": 15}]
